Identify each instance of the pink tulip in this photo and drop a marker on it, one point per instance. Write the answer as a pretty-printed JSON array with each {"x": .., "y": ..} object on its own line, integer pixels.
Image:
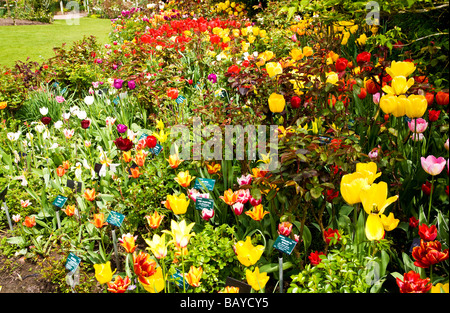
[
  {"x": 207, "y": 214},
  {"x": 418, "y": 125},
  {"x": 433, "y": 166},
  {"x": 237, "y": 208},
  {"x": 244, "y": 180}
]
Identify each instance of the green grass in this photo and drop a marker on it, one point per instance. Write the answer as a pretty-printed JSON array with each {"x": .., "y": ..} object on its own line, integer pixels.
[{"x": 37, "y": 41}]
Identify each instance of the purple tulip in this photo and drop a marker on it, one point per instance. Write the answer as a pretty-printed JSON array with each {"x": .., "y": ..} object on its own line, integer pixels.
[
  {"x": 121, "y": 128},
  {"x": 118, "y": 83},
  {"x": 131, "y": 84},
  {"x": 212, "y": 78}
]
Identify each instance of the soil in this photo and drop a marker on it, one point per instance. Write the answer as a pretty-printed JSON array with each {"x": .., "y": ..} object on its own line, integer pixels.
[{"x": 10, "y": 22}]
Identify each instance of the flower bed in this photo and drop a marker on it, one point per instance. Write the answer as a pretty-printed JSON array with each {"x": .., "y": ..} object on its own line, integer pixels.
[{"x": 201, "y": 147}]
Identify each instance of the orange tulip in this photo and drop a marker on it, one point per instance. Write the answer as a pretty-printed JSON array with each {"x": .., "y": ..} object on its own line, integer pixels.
[
  {"x": 99, "y": 220},
  {"x": 229, "y": 197},
  {"x": 135, "y": 172},
  {"x": 126, "y": 156},
  {"x": 69, "y": 210},
  {"x": 184, "y": 179},
  {"x": 174, "y": 160},
  {"x": 154, "y": 220},
  {"x": 30, "y": 221},
  {"x": 89, "y": 194},
  {"x": 194, "y": 275},
  {"x": 60, "y": 171},
  {"x": 144, "y": 266},
  {"x": 66, "y": 165},
  {"x": 139, "y": 158},
  {"x": 128, "y": 242},
  {"x": 119, "y": 285},
  {"x": 213, "y": 168},
  {"x": 257, "y": 213}
]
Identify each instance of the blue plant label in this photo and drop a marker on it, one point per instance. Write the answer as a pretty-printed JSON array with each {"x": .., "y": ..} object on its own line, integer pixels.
[
  {"x": 284, "y": 244},
  {"x": 157, "y": 149},
  {"x": 59, "y": 201},
  {"x": 143, "y": 136},
  {"x": 204, "y": 203},
  {"x": 115, "y": 218},
  {"x": 204, "y": 183},
  {"x": 180, "y": 99},
  {"x": 179, "y": 279},
  {"x": 72, "y": 262}
]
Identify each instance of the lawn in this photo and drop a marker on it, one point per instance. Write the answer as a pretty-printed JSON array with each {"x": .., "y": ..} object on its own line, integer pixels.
[{"x": 37, "y": 41}]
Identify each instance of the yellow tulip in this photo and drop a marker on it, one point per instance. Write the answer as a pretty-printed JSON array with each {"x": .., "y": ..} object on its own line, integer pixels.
[
  {"x": 296, "y": 54},
  {"x": 162, "y": 136},
  {"x": 307, "y": 51},
  {"x": 399, "y": 85},
  {"x": 158, "y": 246},
  {"x": 194, "y": 275},
  {"x": 389, "y": 222},
  {"x": 351, "y": 186},
  {"x": 276, "y": 103},
  {"x": 416, "y": 106},
  {"x": 246, "y": 253},
  {"x": 369, "y": 170},
  {"x": 178, "y": 204},
  {"x": 180, "y": 233},
  {"x": 332, "y": 78},
  {"x": 236, "y": 32},
  {"x": 262, "y": 33},
  {"x": 374, "y": 200},
  {"x": 174, "y": 160},
  {"x": 256, "y": 279},
  {"x": 391, "y": 104},
  {"x": 257, "y": 213},
  {"x": 103, "y": 272},
  {"x": 400, "y": 69},
  {"x": 155, "y": 283},
  {"x": 274, "y": 68},
  {"x": 362, "y": 39},
  {"x": 251, "y": 38},
  {"x": 184, "y": 179},
  {"x": 440, "y": 288}
]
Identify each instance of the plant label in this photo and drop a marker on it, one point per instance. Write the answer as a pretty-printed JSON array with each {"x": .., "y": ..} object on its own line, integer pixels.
[
  {"x": 204, "y": 203},
  {"x": 204, "y": 183},
  {"x": 180, "y": 99},
  {"x": 157, "y": 149},
  {"x": 74, "y": 185},
  {"x": 243, "y": 287},
  {"x": 59, "y": 201},
  {"x": 284, "y": 244},
  {"x": 115, "y": 218},
  {"x": 179, "y": 279},
  {"x": 143, "y": 136},
  {"x": 72, "y": 262}
]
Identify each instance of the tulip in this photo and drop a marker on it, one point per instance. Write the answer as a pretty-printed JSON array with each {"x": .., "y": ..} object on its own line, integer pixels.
[
  {"x": 103, "y": 272},
  {"x": 69, "y": 210},
  {"x": 351, "y": 186},
  {"x": 418, "y": 125},
  {"x": 119, "y": 285},
  {"x": 60, "y": 171},
  {"x": 276, "y": 103},
  {"x": 184, "y": 179},
  {"x": 194, "y": 275},
  {"x": 212, "y": 78},
  {"x": 154, "y": 283},
  {"x": 207, "y": 214},
  {"x": 178, "y": 204},
  {"x": 139, "y": 158},
  {"x": 433, "y": 115},
  {"x": 172, "y": 93},
  {"x": 180, "y": 233},
  {"x": 331, "y": 234},
  {"x": 131, "y": 84},
  {"x": 412, "y": 283},
  {"x": 427, "y": 233},
  {"x": 296, "y": 54},
  {"x": 123, "y": 144},
  {"x": 238, "y": 208},
  {"x": 126, "y": 156},
  {"x": 154, "y": 220},
  {"x": 446, "y": 145},
  {"x": 374, "y": 200},
  {"x": 389, "y": 222},
  {"x": 416, "y": 106},
  {"x": 29, "y": 222},
  {"x": 246, "y": 253},
  {"x": 371, "y": 86},
  {"x": 369, "y": 170},
  {"x": 341, "y": 64},
  {"x": 256, "y": 279},
  {"x": 314, "y": 257},
  {"x": 390, "y": 104},
  {"x": 400, "y": 69},
  {"x": 274, "y": 68},
  {"x": 332, "y": 78},
  {"x": 117, "y": 83},
  {"x": 285, "y": 228},
  {"x": 442, "y": 98},
  {"x": 255, "y": 202},
  {"x": 433, "y": 165},
  {"x": 399, "y": 85},
  {"x": 429, "y": 253},
  {"x": 99, "y": 220},
  {"x": 174, "y": 161},
  {"x": 229, "y": 197},
  {"x": 144, "y": 266},
  {"x": 440, "y": 288},
  {"x": 121, "y": 128},
  {"x": 89, "y": 194},
  {"x": 295, "y": 102},
  {"x": 151, "y": 141},
  {"x": 213, "y": 168},
  {"x": 230, "y": 289},
  {"x": 158, "y": 246},
  {"x": 257, "y": 213},
  {"x": 135, "y": 173}
]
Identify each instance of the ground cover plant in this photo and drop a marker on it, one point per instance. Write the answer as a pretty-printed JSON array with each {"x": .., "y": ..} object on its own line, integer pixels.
[{"x": 208, "y": 139}]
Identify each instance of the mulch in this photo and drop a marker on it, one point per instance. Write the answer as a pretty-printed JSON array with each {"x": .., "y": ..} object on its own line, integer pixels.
[{"x": 10, "y": 22}]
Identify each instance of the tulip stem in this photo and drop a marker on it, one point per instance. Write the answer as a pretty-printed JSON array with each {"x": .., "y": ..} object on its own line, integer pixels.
[{"x": 431, "y": 196}]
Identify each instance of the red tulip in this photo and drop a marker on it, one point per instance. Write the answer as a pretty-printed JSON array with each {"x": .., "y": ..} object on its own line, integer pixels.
[
  {"x": 172, "y": 93},
  {"x": 150, "y": 141},
  {"x": 430, "y": 98},
  {"x": 433, "y": 115},
  {"x": 295, "y": 102},
  {"x": 427, "y": 233},
  {"x": 331, "y": 234},
  {"x": 442, "y": 98},
  {"x": 412, "y": 283},
  {"x": 363, "y": 57},
  {"x": 314, "y": 257},
  {"x": 362, "y": 93},
  {"x": 341, "y": 64},
  {"x": 429, "y": 253}
]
